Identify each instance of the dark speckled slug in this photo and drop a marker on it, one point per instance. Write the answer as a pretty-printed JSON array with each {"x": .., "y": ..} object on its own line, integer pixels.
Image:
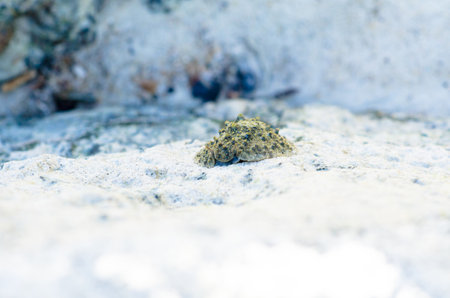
[{"x": 244, "y": 140}]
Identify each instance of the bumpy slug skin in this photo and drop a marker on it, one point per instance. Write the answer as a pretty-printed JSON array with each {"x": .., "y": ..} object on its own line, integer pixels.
[{"x": 244, "y": 140}]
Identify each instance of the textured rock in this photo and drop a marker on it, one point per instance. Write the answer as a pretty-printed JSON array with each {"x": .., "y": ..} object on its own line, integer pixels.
[
  {"x": 360, "y": 211},
  {"x": 108, "y": 130}
]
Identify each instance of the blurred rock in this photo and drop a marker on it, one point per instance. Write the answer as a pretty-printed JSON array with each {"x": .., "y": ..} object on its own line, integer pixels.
[
  {"x": 45, "y": 34},
  {"x": 383, "y": 55},
  {"x": 164, "y": 6},
  {"x": 207, "y": 91},
  {"x": 108, "y": 130},
  {"x": 70, "y": 100},
  {"x": 6, "y": 32}
]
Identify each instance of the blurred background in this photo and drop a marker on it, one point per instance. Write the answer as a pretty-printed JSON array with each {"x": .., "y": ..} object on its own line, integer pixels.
[{"x": 385, "y": 55}]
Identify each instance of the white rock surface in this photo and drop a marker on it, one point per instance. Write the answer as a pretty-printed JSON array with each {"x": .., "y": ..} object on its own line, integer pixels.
[
  {"x": 361, "y": 211},
  {"x": 389, "y": 55},
  {"x": 386, "y": 55}
]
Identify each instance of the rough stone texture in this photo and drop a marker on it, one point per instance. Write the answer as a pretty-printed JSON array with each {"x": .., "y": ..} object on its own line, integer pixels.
[
  {"x": 386, "y": 55},
  {"x": 362, "y": 209}
]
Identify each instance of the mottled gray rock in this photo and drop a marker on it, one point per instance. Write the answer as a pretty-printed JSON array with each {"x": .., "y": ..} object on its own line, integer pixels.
[{"x": 106, "y": 130}]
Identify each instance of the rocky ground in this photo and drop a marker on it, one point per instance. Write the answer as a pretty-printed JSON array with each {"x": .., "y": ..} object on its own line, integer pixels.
[{"x": 109, "y": 203}]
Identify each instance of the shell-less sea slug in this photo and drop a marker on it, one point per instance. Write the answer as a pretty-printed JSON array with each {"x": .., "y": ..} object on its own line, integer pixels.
[{"x": 244, "y": 140}]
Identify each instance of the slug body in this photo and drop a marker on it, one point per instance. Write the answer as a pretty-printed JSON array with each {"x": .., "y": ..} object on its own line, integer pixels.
[{"x": 245, "y": 139}]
